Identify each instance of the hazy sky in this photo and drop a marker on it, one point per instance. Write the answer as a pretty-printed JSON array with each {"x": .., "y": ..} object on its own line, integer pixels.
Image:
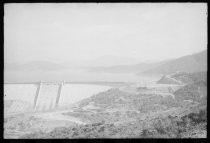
[{"x": 144, "y": 31}]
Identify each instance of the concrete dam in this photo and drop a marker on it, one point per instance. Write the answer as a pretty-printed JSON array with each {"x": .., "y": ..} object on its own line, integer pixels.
[{"x": 39, "y": 97}]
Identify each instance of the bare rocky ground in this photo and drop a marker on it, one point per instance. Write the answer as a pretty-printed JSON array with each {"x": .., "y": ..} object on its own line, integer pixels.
[{"x": 18, "y": 125}]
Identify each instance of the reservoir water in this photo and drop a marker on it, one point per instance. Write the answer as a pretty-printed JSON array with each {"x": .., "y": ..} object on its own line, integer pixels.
[{"x": 76, "y": 76}]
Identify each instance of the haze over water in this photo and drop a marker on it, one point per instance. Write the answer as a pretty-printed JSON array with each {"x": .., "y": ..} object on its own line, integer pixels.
[
  {"x": 86, "y": 35},
  {"x": 77, "y": 76}
]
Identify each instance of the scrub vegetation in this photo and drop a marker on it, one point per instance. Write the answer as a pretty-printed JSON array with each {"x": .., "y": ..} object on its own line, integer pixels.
[{"x": 190, "y": 125}]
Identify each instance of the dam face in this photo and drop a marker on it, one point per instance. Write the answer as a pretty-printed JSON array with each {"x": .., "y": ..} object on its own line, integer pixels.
[
  {"x": 72, "y": 93},
  {"x": 20, "y": 98}
]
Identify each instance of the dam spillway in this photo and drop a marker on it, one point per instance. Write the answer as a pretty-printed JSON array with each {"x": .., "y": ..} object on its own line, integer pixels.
[
  {"x": 39, "y": 97},
  {"x": 46, "y": 98}
]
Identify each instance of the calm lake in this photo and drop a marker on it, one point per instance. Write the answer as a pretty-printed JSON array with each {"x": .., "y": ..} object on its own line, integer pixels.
[{"x": 76, "y": 76}]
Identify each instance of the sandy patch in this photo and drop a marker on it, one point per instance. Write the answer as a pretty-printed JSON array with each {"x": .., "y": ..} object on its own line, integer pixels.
[{"x": 59, "y": 117}]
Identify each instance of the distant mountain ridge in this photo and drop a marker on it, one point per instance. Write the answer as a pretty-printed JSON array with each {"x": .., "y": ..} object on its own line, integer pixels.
[
  {"x": 34, "y": 66},
  {"x": 43, "y": 65},
  {"x": 126, "y": 68},
  {"x": 190, "y": 63}
]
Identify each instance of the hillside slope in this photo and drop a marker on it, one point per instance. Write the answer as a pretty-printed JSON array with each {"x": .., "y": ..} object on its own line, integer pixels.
[
  {"x": 196, "y": 92},
  {"x": 188, "y": 78},
  {"x": 124, "y": 68},
  {"x": 191, "y": 63},
  {"x": 194, "y": 89},
  {"x": 167, "y": 80},
  {"x": 183, "y": 78}
]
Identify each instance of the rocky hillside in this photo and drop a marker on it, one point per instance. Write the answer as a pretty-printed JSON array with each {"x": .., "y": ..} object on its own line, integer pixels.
[
  {"x": 193, "y": 125},
  {"x": 195, "y": 88},
  {"x": 183, "y": 78},
  {"x": 167, "y": 80},
  {"x": 129, "y": 116},
  {"x": 194, "y": 92},
  {"x": 190, "y": 77}
]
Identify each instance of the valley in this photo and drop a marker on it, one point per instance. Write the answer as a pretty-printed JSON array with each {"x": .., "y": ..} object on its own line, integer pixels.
[{"x": 105, "y": 70}]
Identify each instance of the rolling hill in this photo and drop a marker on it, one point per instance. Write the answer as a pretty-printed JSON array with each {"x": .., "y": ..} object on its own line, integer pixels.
[
  {"x": 135, "y": 68},
  {"x": 190, "y": 63},
  {"x": 33, "y": 66},
  {"x": 183, "y": 78}
]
